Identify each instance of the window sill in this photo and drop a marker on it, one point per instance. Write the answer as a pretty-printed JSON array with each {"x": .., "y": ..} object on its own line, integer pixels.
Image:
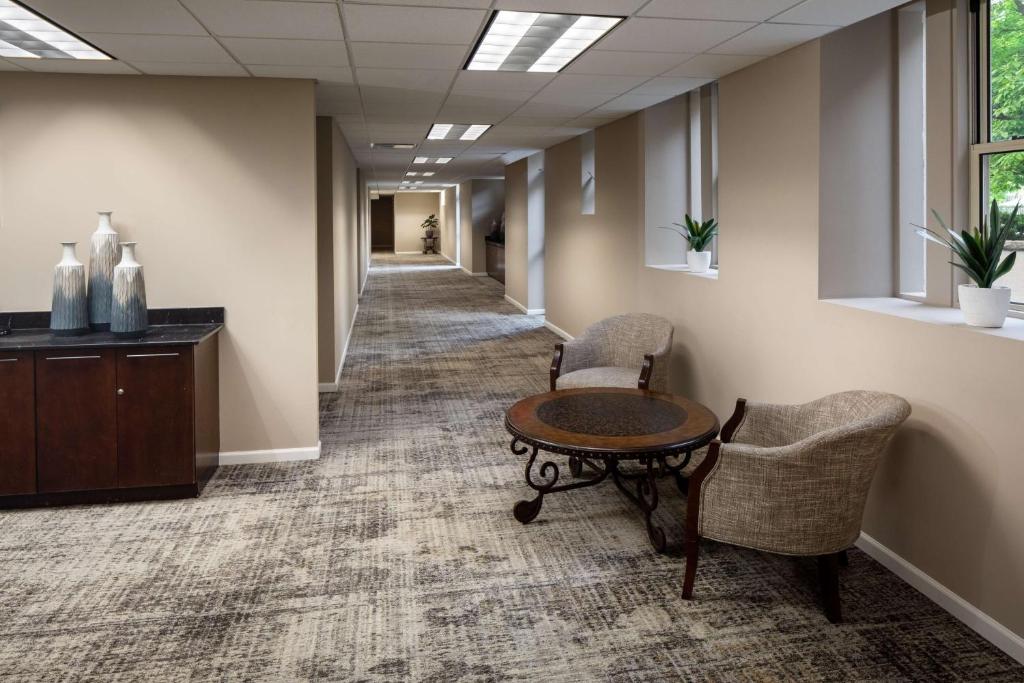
[
  {"x": 709, "y": 275},
  {"x": 935, "y": 315}
]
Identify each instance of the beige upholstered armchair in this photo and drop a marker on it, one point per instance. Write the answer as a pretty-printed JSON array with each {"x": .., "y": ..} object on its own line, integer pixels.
[
  {"x": 792, "y": 480},
  {"x": 630, "y": 351}
]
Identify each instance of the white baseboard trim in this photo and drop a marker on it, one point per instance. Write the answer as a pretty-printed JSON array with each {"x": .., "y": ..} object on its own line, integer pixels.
[
  {"x": 524, "y": 309},
  {"x": 470, "y": 272},
  {"x": 270, "y": 455},
  {"x": 331, "y": 387},
  {"x": 344, "y": 351},
  {"x": 408, "y": 252},
  {"x": 366, "y": 277},
  {"x": 981, "y": 623},
  {"x": 558, "y": 330}
]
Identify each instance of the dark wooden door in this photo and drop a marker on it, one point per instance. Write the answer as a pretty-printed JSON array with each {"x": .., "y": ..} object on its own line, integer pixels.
[
  {"x": 17, "y": 424},
  {"x": 76, "y": 421},
  {"x": 382, "y": 222},
  {"x": 155, "y": 417}
]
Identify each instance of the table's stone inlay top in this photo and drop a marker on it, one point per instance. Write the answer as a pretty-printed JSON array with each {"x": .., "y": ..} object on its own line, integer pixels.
[{"x": 611, "y": 414}]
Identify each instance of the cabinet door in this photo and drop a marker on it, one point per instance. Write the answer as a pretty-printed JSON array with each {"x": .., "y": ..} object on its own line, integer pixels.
[
  {"x": 17, "y": 424},
  {"x": 76, "y": 420},
  {"x": 155, "y": 417}
]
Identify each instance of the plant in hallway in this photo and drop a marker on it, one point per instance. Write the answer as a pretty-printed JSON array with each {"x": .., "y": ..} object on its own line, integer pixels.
[
  {"x": 430, "y": 234},
  {"x": 430, "y": 225},
  {"x": 698, "y": 236},
  {"x": 980, "y": 255}
]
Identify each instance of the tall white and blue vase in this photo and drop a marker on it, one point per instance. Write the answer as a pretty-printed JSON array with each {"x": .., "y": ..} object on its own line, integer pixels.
[
  {"x": 103, "y": 256},
  {"x": 69, "y": 313},
  {"x": 128, "y": 315}
]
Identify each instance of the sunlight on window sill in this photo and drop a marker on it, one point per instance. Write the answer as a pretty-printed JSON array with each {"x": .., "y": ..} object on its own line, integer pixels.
[
  {"x": 935, "y": 315},
  {"x": 682, "y": 268}
]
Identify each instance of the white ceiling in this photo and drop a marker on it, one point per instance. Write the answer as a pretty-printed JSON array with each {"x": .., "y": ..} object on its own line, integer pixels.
[{"x": 388, "y": 69}]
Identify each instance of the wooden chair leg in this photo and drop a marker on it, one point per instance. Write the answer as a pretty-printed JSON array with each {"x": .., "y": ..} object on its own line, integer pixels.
[
  {"x": 692, "y": 550},
  {"x": 844, "y": 559},
  {"x": 828, "y": 577}
]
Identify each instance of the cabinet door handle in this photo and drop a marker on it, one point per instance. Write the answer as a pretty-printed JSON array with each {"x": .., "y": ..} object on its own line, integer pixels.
[
  {"x": 73, "y": 357},
  {"x": 8, "y": 360},
  {"x": 120, "y": 392},
  {"x": 151, "y": 355}
]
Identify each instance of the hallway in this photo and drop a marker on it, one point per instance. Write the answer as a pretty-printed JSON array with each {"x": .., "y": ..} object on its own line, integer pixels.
[
  {"x": 395, "y": 556},
  {"x": 436, "y": 357}
]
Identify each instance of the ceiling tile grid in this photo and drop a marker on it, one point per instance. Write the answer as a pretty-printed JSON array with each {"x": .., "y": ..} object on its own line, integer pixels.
[{"x": 387, "y": 70}]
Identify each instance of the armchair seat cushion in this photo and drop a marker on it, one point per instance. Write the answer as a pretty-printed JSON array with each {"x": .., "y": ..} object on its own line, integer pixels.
[{"x": 600, "y": 377}]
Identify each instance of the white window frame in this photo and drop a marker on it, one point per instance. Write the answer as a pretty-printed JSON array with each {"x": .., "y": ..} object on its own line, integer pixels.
[
  {"x": 703, "y": 175},
  {"x": 981, "y": 111}
]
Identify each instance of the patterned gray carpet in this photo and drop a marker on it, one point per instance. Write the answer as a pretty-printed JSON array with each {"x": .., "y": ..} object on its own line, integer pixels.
[{"x": 395, "y": 557}]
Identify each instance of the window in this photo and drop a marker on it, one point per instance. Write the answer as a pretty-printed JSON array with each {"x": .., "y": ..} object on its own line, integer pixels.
[
  {"x": 997, "y": 157},
  {"x": 912, "y": 200},
  {"x": 681, "y": 172},
  {"x": 704, "y": 157}
]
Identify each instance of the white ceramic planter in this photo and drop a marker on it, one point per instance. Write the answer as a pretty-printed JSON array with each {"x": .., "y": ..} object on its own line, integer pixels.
[
  {"x": 984, "y": 307},
  {"x": 103, "y": 256},
  {"x": 698, "y": 261},
  {"x": 128, "y": 314},
  {"x": 69, "y": 313}
]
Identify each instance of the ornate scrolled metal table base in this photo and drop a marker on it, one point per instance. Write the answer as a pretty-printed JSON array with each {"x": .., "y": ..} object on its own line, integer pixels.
[
  {"x": 643, "y": 493},
  {"x": 598, "y": 429},
  {"x": 527, "y": 510}
]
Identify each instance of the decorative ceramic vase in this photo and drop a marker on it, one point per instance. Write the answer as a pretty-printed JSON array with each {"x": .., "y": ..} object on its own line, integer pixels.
[
  {"x": 698, "y": 261},
  {"x": 984, "y": 307},
  {"x": 69, "y": 312},
  {"x": 128, "y": 315},
  {"x": 103, "y": 257}
]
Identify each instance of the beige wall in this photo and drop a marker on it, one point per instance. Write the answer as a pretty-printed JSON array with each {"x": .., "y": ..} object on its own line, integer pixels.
[
  {"x": 411, "y": 209},
  {"x": 449, "y": 227},
  {"x": 466, "y": 229},
  {"x": 215, "y": 178},
  {"x": 345, "y": 243},
  {"x": 516, "y": 232},
  {"x": 947, "y": 497},
  {"x": 327, "y": 361},
  {"x": 362, "y": 227},
  {"x": 590, "y": 260},
  {"x": 338, "y": 245}
]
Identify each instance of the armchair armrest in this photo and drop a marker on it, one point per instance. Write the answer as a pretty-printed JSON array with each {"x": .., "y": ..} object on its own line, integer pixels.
[
  {"x": 646, "y": 370},
  {"x": 556, "y": 365},
  {"x": 570, "y": 356}
]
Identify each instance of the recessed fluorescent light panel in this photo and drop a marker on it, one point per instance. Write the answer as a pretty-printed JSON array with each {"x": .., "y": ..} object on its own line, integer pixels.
[
  {"x": 431, "y": 160},
  {"x": 456, "y": 131},
  {"x": 536, "y": 41},
  {"x": 25, "y": 34}
]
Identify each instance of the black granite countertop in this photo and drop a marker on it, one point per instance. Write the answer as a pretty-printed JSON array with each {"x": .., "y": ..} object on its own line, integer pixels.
[{"x": 168, "y": 327}]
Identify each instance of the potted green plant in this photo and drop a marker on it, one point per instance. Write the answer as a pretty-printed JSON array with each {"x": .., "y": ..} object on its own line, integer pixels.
[
  {"x": 698, "y": 236},
  {"x": 980, "y": 255},
  {"x": 430, "y": 225}
]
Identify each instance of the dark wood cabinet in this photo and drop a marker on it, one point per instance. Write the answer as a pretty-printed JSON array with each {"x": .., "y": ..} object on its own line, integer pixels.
[
  {"x": 155, "y": 417},
  {"x": 17, "y": 424},
  {"x": 496, "y": 260},
  {"x": 76, "y": 437},
  {"x": 102, "y": 424}
]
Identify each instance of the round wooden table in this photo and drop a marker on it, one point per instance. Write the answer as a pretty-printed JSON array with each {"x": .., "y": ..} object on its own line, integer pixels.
[{"x": 601, "y": 427}]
